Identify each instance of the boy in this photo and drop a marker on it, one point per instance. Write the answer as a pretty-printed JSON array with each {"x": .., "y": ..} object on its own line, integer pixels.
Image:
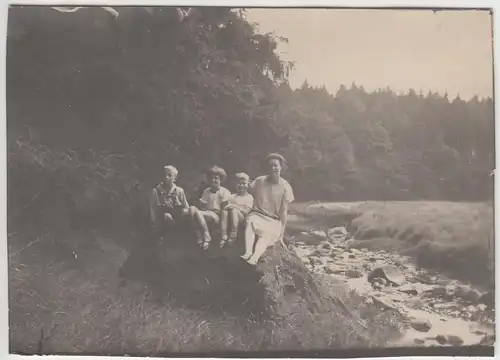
[
  {"x": 212, "y": 201},
  {"x": 238, "y": 208},
  {"x": 168, "y": 203}
]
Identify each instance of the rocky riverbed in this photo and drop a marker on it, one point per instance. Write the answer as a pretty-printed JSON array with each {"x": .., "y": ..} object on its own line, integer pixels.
[{"x": 439, "y": 311}]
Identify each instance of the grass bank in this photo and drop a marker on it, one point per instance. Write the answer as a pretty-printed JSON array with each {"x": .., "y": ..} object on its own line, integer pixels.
[
  {"x": 456, "y": 238},
  {"x": 83, "y": 302}
]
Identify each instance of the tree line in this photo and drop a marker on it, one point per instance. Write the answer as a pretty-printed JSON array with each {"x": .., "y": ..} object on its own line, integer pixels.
[{"x": 97, "y": 102}]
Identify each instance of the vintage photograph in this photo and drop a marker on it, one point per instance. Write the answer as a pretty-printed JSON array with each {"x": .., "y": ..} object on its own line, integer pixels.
[{"x": 214, "y": 181}]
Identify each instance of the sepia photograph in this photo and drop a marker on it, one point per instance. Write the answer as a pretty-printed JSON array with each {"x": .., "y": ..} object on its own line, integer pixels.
[{"x": 211, "y": 181}]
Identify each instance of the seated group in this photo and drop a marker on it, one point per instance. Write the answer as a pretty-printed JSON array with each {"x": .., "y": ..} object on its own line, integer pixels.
[{"x": 259, "y": 207}]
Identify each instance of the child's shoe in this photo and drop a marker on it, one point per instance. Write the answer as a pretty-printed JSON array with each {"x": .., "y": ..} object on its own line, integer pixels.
[
  {"x": 246, "y": 256},
  {"x": 232, "y": 237},
  {"x": 223, "y": 241},
  {"x": 206, "y": 240},
  {"x": 199, "y": 238}
]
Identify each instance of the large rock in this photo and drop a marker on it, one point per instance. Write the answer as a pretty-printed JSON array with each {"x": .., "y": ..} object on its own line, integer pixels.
[
  {"x": 453, "y": 340},
  {"x": 421, "y": 325},
  {"x": 279, "y": 288},
  {"x": 297, "y": 296},
  {"x": 488, "y": 340},
  {"x": 337, "y": 233},
  {"x": 390, "y": 273}
]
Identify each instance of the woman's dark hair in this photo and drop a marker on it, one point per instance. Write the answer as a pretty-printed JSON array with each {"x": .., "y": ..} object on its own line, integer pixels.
[{"x": 276, "y": 156}]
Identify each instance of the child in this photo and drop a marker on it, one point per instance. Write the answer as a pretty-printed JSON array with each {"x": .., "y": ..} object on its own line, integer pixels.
[
  {"x": 168, "y": 203},
  {"x": 212, "y": 201},
  {"x": 237, "y": 209}
]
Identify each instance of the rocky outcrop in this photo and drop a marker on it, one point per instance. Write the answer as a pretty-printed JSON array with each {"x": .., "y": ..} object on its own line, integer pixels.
[{"x": 279, "y": 293}]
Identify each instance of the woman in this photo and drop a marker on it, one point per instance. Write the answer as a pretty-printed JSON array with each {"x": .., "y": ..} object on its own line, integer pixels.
[{"x": 269, "y": 215}]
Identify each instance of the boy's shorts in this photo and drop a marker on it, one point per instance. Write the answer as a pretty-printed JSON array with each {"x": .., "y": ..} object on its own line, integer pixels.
[{"x": 210, "y": 216}]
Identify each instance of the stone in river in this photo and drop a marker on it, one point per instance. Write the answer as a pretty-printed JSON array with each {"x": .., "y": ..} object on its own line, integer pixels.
[
  {"x": 449, "y": 340},
  {"x": 488, "y": 299},
  {"x": 437, "y": 291},
  {"x": 389, "y": 272},
  {"x": 409, "y": 289},
  {"x": 328, "y": 271},
  {"x": 377, "y": 285},
  {"x": 415, "y": 303},
  {"x": 440, "y": 306},
  {"x": 318, "y": 233},
  {"x": 488, "y": 340},
  {"x": 338, "y": 232},
  {"x": 481, "y": 307},
  {"x": 351, "y": 273},
  {"x": 421, "y": 325},
  {"x": 472, "y": 295}
]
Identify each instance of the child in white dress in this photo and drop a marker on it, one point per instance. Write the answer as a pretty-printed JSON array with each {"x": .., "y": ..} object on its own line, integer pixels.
[{"x": 239, "y": 205}]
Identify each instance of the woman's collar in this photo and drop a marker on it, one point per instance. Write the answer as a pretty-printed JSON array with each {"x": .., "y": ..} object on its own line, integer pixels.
[{"x": 270, "y": 180}]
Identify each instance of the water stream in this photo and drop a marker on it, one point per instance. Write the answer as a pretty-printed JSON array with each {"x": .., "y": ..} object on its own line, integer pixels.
[{"x": 440, "y": 311}]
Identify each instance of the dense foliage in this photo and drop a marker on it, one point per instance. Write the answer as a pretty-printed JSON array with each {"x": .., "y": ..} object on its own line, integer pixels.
[
  {"x": 95, "y": 103},
  {"x": 386, "y": 146}
]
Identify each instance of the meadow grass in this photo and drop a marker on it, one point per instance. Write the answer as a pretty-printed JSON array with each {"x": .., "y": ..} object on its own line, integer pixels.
[
  {"x": 456, "y": 238},
  {"x": 81, "y": 305},
  {"x": 83, "y": 308}
]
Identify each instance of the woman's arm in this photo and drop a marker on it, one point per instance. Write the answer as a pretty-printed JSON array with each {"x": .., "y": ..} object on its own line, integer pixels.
[
  {"x": 286, "y": 200},
  {"x": 283, "y": 219}
]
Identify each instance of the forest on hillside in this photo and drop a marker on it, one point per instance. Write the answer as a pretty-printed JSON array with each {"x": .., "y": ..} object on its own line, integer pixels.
[{"x": 97, "y": 103}]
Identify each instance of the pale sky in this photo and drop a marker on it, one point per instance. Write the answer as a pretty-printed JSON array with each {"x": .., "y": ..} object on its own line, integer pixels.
[{"x": 446, "y": 51}]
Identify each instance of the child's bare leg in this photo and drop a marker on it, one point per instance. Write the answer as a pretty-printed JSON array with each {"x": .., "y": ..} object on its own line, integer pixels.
[
  {"x": 236, "y": 218},
  {"x": 223, "y": 227},
  {"x": 191, "y": 214},
  {"x": 249, "y": 240},
  {"x": 168, "y": 220},
  {"x": 198, "y": 222},
  {"x": 205, "y": 218},
  {"x": 202, "y": 222}
]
